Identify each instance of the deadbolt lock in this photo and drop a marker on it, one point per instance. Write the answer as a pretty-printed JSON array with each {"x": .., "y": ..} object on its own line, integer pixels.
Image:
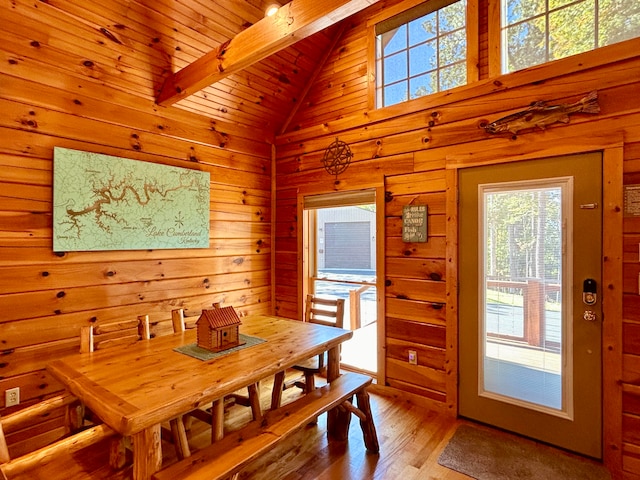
[{"x": 589, "y": 292}]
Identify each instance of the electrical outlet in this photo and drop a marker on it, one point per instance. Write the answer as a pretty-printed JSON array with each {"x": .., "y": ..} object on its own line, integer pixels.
[
  {"x": 413, "y": 357},
  {"x": 12, "y": 397}
]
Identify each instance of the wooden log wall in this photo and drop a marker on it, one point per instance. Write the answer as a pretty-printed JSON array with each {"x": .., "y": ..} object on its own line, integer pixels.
[
  {"x": 631, "y": 323},
  {"x": 414, "y": 150},
  {"x": 65, "y": 83}
]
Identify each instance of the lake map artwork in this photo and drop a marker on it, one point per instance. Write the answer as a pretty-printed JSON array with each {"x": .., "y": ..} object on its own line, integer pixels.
[{"x": 101, "y": 202}]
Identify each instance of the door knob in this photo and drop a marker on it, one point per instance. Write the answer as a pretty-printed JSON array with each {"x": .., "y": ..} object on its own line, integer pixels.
[{"x": 589, "y": 315}]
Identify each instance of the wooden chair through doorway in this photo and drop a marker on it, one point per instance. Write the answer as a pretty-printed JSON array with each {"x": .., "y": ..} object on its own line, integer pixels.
[{"x": 322, "y": 311}]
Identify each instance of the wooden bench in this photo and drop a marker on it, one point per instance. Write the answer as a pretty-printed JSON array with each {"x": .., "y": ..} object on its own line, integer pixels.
[
  {"x": 235, "y": 451},
  {"x": 74, "y": 442}
]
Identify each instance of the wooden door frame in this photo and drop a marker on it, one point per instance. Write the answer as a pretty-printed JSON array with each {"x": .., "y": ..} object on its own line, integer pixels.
[
  {"x": 303, "y": 262},
  {"x": 612, "y": 198}
]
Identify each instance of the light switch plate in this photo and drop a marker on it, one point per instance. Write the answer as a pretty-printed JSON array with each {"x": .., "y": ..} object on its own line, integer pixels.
[{"x": 413, "y": 357}]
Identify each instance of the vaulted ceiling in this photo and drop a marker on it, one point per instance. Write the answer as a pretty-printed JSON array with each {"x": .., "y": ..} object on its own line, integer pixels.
[{"x": 262, "y": 89}]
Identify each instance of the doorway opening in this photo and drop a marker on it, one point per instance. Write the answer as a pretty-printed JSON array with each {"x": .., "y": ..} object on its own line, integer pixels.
[{"x": 340, "y": 262}]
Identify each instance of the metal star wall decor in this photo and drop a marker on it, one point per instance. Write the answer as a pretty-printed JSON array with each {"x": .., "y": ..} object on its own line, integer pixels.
[{"x": 337, "y": 157}]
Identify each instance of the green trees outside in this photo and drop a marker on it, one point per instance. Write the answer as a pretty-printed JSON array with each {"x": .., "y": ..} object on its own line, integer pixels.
[
  {"x": 533, "y": 35},
  {"x": 428, "y": 54},
  {"x": 523, "y": 234},
  {"x": 449, "y": 46}
]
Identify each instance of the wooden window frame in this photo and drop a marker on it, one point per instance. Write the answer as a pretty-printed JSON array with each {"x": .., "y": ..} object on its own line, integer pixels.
[
  {"x": 473, "y": 50},
  {"x": 494, "y": 20}
]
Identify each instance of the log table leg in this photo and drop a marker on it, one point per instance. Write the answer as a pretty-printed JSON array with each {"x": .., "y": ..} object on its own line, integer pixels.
[
  {"x": 217, "y": 420},
  {"x": 276, "y": 393},
  {"x": 338, "y": 419},
  {"x": 147, "y": 453}
]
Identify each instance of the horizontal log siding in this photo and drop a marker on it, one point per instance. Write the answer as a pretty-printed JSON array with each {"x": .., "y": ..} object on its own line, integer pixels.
[
  {"x": 63, "y": 83},
  {"x": 415, "y": 288},
  {"x": 407, "y": 148},
  {"x": 286, "y": 267},
  {"x": 631, "y": 323}
]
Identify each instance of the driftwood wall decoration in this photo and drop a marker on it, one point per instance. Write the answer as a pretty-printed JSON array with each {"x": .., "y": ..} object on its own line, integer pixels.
[{"x": 540, "y": 115}]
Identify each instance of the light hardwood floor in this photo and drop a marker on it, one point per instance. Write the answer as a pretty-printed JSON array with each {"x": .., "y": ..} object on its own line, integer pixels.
[{"x": 411, "y": 438}]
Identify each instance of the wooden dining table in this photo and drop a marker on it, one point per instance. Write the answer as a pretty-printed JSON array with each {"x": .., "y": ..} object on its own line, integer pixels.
[{"x": 135, "y": 389}]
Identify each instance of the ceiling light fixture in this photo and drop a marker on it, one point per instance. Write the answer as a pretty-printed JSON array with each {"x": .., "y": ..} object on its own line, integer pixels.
[{"x": 272, "y": 9}]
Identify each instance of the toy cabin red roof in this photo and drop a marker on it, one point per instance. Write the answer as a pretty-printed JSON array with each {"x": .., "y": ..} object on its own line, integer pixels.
[{"x": 220, "y": 317}]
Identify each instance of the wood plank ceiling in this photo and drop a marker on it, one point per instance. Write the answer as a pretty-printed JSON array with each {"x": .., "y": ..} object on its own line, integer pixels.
[
  {"x": 139, "y": 43},
  {"x": 260, "y": 96},
  {"x": 178, "y": 32},
  {"x": 262, "y": 72}
]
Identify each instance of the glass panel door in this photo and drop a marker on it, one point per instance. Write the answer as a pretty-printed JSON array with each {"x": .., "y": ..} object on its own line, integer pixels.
[
  {"x": 524, "y": 326},
  {"x": 529, "y": 341}
]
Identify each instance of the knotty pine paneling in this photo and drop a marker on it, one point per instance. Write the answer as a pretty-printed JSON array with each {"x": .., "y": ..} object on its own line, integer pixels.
[
  {"x": 286, "y": 244},
  {"x": 415, "y": 272},
  {"x": 631, "y": 321},
  {"x": 433, "y": 269},
  {"x": 631, "y": 461},
  {"x": 631, "y": 400},
  {"x": 631, "y": 429},
  {"x": 65, "y": 83},
  {"x": 631, "y": 372},
  {"x": 130, "y": 45},
  {"x": 444, "y": 131},
  {"x": 418, "y": 311}
]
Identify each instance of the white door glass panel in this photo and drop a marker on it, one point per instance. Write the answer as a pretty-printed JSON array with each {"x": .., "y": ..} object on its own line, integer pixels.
[{"x": 524, "y": 347}]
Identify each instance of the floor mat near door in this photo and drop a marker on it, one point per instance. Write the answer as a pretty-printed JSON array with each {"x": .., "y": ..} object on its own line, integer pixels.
[{"x": 493, "y": 455}]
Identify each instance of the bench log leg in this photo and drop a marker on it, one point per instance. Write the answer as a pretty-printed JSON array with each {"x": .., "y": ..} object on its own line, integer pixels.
[
  {"x": 338, "y": 421},
  {"x": 117, "y": 453},
  {"x": 368, "y": 427}
]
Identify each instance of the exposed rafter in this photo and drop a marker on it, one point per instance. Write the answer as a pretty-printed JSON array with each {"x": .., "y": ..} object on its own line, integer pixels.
[
  {"x": 319, "y": 67},
  {"x": 295, "y": 21}
]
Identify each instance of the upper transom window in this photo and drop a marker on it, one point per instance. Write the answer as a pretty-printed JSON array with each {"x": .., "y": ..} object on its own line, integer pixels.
[
  {"x": 539, "y": 31},
  {"x": 421, "y": 51}
]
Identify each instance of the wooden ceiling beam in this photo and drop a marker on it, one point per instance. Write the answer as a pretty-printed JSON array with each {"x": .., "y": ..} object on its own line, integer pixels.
[{"x": 295, "y": 21}]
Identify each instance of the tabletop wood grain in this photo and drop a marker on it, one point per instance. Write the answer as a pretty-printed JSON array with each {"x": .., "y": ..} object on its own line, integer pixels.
[{"x": 142, "y": 385}]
